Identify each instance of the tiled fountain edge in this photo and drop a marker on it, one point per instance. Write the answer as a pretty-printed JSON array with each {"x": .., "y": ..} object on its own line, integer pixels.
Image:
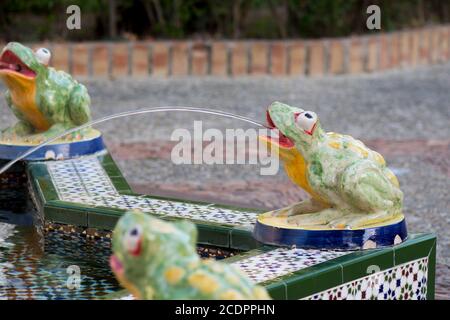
[
  {"x": 300, "y": 283},
  {"x": 350, "y": 270},
  {"x": 101, "y": 217}
]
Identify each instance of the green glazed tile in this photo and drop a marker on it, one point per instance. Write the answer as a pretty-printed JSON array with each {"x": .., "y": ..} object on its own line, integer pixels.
[
  {"x": 416, "y": 247},
  {"x": 102, "y": 220},
  {"x": 130, "y": 193},
  {"x": 37, "y": 168},
  {"x": 47, "y": 189},
  {"x": 243, "y": 240},
  {"x": 110, "y": 166},
  {"x": 218, "y": 236},
  {"x": 39, "y": 175},
  {"x": 106, "y": 210},
  {"x": 113, "y": 171},
  {"x": 277, "y": 290},
  {"x": 36, "y": 192},
  {"x": 362, "y": 263},
  {"x": 431, "y": 273},
  {"x": 120, "y": 184},
  {"x": 69, "y": 205},
  {"x": 308, "y": 281},
  {"x": 65, "y": 215}
]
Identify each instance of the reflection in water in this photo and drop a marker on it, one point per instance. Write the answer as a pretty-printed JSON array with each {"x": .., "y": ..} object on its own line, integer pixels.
[
  {"x": 33, "y": 266},
  {"x": 35, "y": 262},
  {"x": 15, "y": 205}
]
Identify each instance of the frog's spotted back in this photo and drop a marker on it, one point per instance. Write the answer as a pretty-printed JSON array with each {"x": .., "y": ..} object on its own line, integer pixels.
[
  {"x": 349, "y": 184},
  {"x": 155, "y": 259}
]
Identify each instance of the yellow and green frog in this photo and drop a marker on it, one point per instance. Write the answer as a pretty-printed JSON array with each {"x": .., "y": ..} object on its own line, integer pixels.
[
  {"x": 156, "y": 259},
  {"x": 350, "y": 185},
  {"x": 47, "y": 102}
]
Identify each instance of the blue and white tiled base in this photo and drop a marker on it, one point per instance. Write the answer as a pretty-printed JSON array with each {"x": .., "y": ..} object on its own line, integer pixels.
[
  {"x": 61, "y": 150},
  {"x": 404, "y": 282}
]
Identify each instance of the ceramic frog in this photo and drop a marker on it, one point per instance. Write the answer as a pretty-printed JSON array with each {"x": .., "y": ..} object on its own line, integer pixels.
[
  {"x": 154, "y": 259},
  {"x": 46, "y": 101},
  {"x": 349, "y": 184}
]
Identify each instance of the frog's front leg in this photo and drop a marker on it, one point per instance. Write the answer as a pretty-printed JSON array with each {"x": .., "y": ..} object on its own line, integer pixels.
[
  {"x": 20, "y": 129},
  {"x": 354, "y": 221},
  {"x": 317, "y": 218},
  {"x": 56, "y": 130},
  {"x": 305, "y": 207}
]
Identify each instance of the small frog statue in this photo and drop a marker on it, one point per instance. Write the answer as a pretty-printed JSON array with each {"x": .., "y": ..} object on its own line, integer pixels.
[
  {"x": 349, "y": 184},
  {"x": 154, "y": 259},
  {"x": 46, "y": 102}
]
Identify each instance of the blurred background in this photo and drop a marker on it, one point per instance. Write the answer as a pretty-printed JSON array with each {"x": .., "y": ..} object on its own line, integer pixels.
[
  {"x": 213, "y": 19},
  {"x": 388, "y": 87}
]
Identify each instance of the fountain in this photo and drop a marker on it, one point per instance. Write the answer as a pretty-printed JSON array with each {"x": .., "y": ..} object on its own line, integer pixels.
[{"x": 77, "y": 191}]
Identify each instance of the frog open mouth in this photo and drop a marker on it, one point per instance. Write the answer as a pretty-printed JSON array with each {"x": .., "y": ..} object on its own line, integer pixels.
[
  {"x": 10, "y": 63},
  {"x": 282, "y": 141},
  {"x": 116, "y": 265}
]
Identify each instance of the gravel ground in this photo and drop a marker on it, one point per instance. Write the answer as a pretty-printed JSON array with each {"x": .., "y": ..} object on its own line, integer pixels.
[{"x": 396, "y": 106}]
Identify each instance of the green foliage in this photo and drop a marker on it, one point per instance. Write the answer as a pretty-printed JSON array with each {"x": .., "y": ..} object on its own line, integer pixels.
[{"x": 215, "y": 18}]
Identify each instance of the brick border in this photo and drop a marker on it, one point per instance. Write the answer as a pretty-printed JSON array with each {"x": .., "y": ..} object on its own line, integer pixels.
[{"x": 317, "y": 57}]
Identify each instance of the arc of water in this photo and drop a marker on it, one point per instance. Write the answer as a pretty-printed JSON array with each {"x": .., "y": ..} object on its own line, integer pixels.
[{"x": 125, "y": 114}]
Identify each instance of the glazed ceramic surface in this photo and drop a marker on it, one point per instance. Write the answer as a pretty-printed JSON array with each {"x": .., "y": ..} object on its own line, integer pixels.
[
  {"x": 155, "y": 259},
  {"x": 349, "y": 184},
  {"x": 91, "y": 144},
  {"x": 46, "y": 102},
  {"x": 91, "y": 192}
]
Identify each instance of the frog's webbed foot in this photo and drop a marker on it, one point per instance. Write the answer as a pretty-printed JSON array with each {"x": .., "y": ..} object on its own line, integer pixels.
[
  {"x": 353, "y": 221},
  {"x": 317, "y": 218},
  {"x": 301, "y": 208},
  {"x": 59, "y": 128},
  {"x": 19, "y": 130}
]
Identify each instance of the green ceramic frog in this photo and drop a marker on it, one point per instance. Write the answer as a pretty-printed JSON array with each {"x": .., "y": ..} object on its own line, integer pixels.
[
  {"x": 154, "y": 259},
  {"x": 349, "y": 184},
  {"x": 46, "y": 102}
]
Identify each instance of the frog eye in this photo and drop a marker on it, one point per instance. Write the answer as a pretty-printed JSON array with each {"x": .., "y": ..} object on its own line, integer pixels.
[
  {"x": 133, "y": 240},
  {"x": 43, "y": 55},
  {"x": 306, "y": 121}
]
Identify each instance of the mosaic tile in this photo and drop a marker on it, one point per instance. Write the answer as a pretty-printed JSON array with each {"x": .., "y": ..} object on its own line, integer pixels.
[
  {"x": 85, "y": 181},
  {"x": 34, "y": 265},
  {"x": 282, "y": 261},
  {"x": 407, "y": 281},
  {"x": 83, "y": 177}
]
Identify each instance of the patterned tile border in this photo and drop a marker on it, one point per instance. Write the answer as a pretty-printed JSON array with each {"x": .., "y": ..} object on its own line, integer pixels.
[
  {"x": 80, "y": 179},
  {"x": 91, "y": 192},
  {"x": 282, "y": 261},
  {"x": 85, "y": 181},
  {"x": 403, "y": 282},
  {"x": 407, "y": 281}
]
